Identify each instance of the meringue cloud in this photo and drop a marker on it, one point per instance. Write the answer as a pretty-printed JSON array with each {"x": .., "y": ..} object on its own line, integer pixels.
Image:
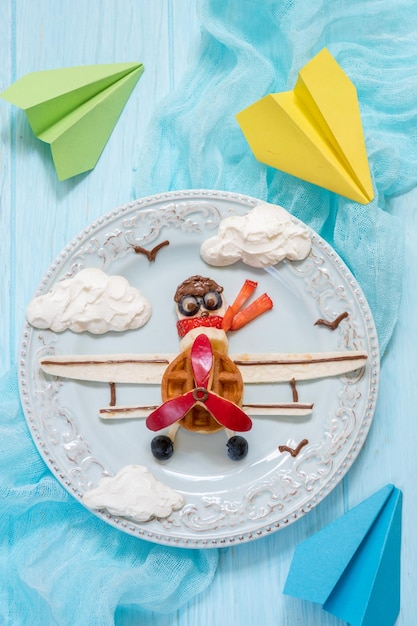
[
  {"x": 90, "y": 301},
  {"x": 263, "y": 237},
  {"x": 134, "y": 493}
]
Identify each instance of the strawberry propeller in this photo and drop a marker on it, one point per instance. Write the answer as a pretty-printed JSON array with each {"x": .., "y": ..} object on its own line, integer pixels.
[
  {"x": 225, "y": 412},
  {"x": 201, "y": 360}
]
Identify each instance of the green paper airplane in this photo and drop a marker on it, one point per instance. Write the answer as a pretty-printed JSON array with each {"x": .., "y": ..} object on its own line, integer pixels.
[{"x": 75, "y": 109}]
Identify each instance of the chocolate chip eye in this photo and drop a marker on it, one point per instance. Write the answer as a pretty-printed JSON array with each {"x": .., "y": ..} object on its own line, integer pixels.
[
  {"x": 188, "y": 305},
  {"x": 212, "y": 300}
]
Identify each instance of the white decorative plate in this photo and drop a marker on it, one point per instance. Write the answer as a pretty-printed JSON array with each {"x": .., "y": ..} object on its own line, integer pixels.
[{"x": 225, "y": 501}]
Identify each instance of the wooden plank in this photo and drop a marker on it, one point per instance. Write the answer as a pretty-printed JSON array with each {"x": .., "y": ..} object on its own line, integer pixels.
[
  {"x": 49, "y": 213},
  {"x": 7, "y": 191},
  {"x": 38, "y": 216}
]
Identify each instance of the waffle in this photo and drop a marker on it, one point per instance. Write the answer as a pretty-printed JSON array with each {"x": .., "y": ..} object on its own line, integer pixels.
[{"x": 226, "y": 381}]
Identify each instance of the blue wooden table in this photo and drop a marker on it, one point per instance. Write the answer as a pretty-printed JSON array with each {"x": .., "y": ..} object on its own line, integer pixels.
[{"x": 39, "y": 215}]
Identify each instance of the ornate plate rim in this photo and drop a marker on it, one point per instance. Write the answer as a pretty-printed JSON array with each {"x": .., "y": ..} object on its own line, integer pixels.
[{"x": 144, "y": 531}]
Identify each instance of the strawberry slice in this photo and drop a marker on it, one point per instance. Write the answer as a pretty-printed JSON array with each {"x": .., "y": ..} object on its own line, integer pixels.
[
  {"x": 184, "y": 326},
  {"x": 244, "y": 294},
  {"x": 227, "y": 413},
  {"x": 256, "y": 308},
  {"x": 170, "y": 411},
  {"x": 201, "y": 360}
]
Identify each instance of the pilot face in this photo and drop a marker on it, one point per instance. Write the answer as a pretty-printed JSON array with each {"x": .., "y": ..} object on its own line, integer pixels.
[{"x": 211, "y": 303}]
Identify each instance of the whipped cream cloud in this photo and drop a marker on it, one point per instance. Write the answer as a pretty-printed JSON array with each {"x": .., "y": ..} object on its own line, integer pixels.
[
  {"x": 134, "y": 493},
  {"x": 263, "y": 237},
  {"x": 90, "y": 301}
]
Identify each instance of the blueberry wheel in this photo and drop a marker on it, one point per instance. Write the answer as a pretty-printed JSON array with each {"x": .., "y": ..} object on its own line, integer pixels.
[
  {"x": 237, "y": 447},
  {"x": 162, "y": 447}
]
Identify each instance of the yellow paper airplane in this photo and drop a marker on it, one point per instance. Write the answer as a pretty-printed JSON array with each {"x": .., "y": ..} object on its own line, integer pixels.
[
  {"x": 313, "y": 132},
  {"x": 75, "y": 109}
]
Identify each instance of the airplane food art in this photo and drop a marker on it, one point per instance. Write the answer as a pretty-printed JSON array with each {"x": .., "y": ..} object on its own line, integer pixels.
[
  {"x": 108, "y": 311},
  {"x": 202, "y": 387}
]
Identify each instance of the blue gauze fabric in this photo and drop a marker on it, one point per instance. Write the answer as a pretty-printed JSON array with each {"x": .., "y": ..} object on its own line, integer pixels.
[
  {"x": 61, "y": 565},
  {"x": 56, "y": 554},
  {"x": 251, "y": 49}
]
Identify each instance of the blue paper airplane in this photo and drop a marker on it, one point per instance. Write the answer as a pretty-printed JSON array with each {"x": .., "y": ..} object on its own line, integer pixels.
[{"x": 352, "y": 566}]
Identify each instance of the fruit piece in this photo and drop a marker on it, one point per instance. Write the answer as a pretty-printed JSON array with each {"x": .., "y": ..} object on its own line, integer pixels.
[
  {"x": 170, "y": 411},
  {"x": 256, "y": 308},
  {"x": 246, "y": 291},
  {"x": 227, "y": 413},
  {"x": 237, "y": 448},
  {"x": 162, "y": 447},
  {"x": 201, "y": 360},
  {"x": 185, "y": 325}
]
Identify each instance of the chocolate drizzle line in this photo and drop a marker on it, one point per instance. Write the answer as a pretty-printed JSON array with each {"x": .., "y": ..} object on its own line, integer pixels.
[
  {"x": 112, "y": 394},
  {"x": 344, "y": 357},
  {"x": 334, "y": 324},
  {"x": 150, "y": 254},
  {"x": 107, "y": 362},
  {"x": 294, "y": 451},
  {"x": 281, "y": 405},
  {"x": 128, "y": 409},
  {"x": 294, "y": 390}
]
